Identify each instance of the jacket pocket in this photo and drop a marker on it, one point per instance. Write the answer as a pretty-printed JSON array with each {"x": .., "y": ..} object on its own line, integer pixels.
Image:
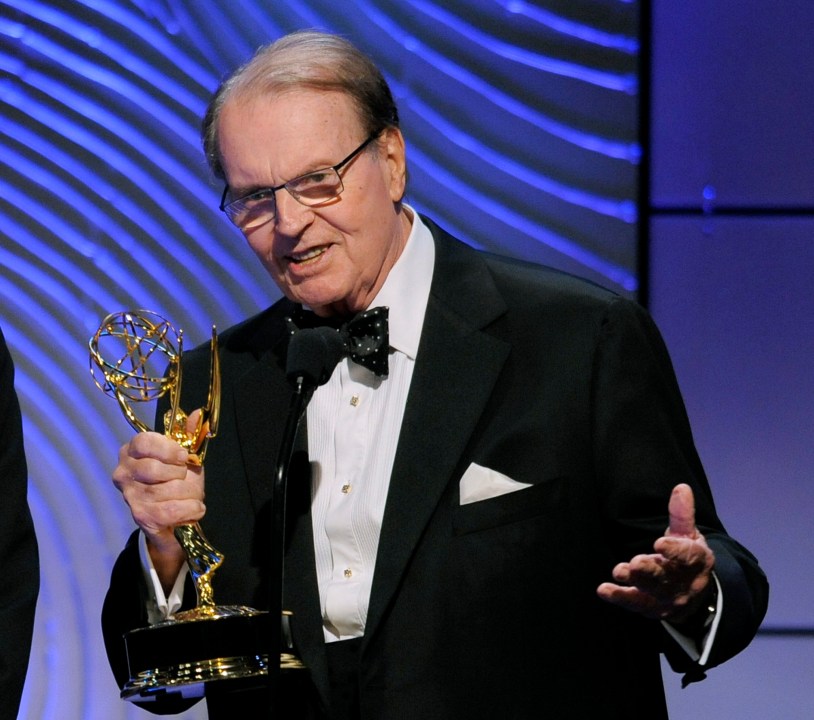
[{"x": 540, "y": 499}]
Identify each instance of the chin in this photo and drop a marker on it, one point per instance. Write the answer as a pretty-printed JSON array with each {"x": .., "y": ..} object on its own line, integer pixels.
[{"x": 316, "y": 301}]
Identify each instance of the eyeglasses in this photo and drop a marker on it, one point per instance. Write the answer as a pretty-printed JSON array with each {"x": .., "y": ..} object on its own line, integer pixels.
[{"x": 313, "y": 188}]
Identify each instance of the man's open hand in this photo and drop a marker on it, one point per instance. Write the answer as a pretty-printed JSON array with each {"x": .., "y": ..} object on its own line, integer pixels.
[{"x": 670, "y": 583}]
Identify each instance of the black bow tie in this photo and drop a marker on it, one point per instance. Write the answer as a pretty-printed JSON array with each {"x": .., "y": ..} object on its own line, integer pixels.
[{"x": 365, "y": 336}]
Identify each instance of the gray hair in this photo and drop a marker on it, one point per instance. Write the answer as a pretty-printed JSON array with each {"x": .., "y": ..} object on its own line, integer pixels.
[{"x": 304, "y": 59}]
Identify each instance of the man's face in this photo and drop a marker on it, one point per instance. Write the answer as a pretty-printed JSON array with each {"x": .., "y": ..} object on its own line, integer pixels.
[{"x": 334, "y": 257}]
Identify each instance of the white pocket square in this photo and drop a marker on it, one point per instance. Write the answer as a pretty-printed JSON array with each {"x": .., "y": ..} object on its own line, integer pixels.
[{"x": 482, "y": 483}]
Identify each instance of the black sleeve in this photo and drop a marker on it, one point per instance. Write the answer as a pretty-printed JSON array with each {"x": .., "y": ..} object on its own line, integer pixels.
[
  {"x": 124, "y": 609},
  {"x": 18, "y": 547},
  {"x": 644, "y": 447}
]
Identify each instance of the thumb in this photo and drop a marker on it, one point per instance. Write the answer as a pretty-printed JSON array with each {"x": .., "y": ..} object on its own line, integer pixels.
[
  {"x": 193, "y": 421},
  {"x": 197, "y": 430},
  {"x": 682, "y": 512}
]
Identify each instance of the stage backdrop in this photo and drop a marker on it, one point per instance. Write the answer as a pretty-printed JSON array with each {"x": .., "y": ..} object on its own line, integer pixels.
[{"x": 521, "y": 125}]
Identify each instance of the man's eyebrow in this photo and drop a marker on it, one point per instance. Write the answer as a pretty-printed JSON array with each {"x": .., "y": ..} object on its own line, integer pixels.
[{"x": 239, "y": 192}]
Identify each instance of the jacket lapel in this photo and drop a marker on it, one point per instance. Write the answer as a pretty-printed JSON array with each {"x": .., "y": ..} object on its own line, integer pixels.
[
  {"x": 456, "y": 368},
  {"x": 262, "y": 398}
]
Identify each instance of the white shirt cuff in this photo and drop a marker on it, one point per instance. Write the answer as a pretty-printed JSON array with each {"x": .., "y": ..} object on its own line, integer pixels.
[
  {"x": 700, "y": 654},
  {"x": 160, "y": 606}
]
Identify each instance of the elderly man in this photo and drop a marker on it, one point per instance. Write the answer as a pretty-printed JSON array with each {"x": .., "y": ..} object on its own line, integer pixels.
[{"x": 505, "y": 518}]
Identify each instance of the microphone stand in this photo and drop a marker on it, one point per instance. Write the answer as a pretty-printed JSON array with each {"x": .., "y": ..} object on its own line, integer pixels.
[
  {"x": 277, "y": 565},
  {"x": 312, "y": 357}
]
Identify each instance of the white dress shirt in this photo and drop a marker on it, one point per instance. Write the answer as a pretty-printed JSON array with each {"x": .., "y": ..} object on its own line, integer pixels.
[{"x": 354, "y": 421}]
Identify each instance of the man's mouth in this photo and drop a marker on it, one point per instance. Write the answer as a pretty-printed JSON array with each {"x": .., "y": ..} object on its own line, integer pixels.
[{"x": 306, "y": 257}]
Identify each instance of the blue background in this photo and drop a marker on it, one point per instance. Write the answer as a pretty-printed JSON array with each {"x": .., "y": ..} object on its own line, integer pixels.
[{"x": 659, "y": 149}]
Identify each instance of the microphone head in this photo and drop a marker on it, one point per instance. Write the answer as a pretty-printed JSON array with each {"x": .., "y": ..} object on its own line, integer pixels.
[{"x": 313, "y": 354}]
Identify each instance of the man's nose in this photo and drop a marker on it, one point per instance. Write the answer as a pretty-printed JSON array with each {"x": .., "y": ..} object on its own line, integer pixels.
[{"x": 292, "y": 215}]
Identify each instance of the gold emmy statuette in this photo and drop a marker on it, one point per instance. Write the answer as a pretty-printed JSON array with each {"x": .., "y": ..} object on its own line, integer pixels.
[{"x": 136, "y": 358}]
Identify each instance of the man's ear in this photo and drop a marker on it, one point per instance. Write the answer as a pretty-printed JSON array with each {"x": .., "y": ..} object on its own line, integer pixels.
[{"x": 396, "y": 157}]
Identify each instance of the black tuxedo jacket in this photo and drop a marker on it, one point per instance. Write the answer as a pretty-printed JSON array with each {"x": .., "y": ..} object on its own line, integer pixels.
[
  {"x": 18, "y": 547},
  {"x": 484, "y": 610}
]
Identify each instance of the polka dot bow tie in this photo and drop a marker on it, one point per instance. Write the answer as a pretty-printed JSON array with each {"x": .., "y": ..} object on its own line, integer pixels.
[{"x": 365, "y": 336}]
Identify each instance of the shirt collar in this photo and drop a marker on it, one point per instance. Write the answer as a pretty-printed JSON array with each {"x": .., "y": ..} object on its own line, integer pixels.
[{"x": 407, "y": 287}]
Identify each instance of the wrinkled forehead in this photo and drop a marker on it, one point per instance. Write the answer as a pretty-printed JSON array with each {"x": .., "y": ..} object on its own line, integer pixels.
[
  {"x": 298, "y": 100},
  {"x": 286, "y": 134}
]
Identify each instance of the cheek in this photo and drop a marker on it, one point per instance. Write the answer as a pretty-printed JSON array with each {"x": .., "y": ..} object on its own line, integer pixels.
[
  {"x": 259, "y": 241},
  {"x": 255, "y": 246},
  {"x": 261, "y": 245}
]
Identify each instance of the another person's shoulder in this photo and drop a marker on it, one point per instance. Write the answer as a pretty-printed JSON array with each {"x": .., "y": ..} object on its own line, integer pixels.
[{"x": 5, "y": 355}]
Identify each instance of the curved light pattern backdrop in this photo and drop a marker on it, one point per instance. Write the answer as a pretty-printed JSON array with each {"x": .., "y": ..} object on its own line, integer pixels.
[{"x": 521, "y": 127}]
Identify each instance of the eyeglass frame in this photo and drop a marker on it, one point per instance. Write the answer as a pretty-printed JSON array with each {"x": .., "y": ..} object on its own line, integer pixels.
[{"x": 273, "y": 190}]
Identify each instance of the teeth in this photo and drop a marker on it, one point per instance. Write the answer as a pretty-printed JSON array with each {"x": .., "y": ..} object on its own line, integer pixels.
[{"x": 310, "y": 255}]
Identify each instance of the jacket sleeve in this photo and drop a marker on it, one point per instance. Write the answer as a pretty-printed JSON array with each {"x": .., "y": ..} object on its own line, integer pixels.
[
  {"x": 18, "y": 546},
  {"x": 643, "y": 448},
  {"x": 125, "y": 609}
]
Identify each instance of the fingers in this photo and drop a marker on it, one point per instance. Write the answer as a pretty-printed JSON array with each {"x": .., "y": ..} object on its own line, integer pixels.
[
  {"x": 646, "y": 572},
  {"x": 683, "y": 550},
  {"x": 160, "y": 488},
  {"x": 150, "y": 445},
  {"x": 647, "y": 589},
  {"x": 159, "y": 507},
  {"x": 632, "y": 599},
  {"x": 663, "y": 585},
  {"x": 681, "y": 509},
  {"x": 666, "y": 584}
]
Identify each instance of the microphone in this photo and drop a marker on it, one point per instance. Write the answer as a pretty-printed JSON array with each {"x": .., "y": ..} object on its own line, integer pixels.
[{"x": 313, "y": 354}]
